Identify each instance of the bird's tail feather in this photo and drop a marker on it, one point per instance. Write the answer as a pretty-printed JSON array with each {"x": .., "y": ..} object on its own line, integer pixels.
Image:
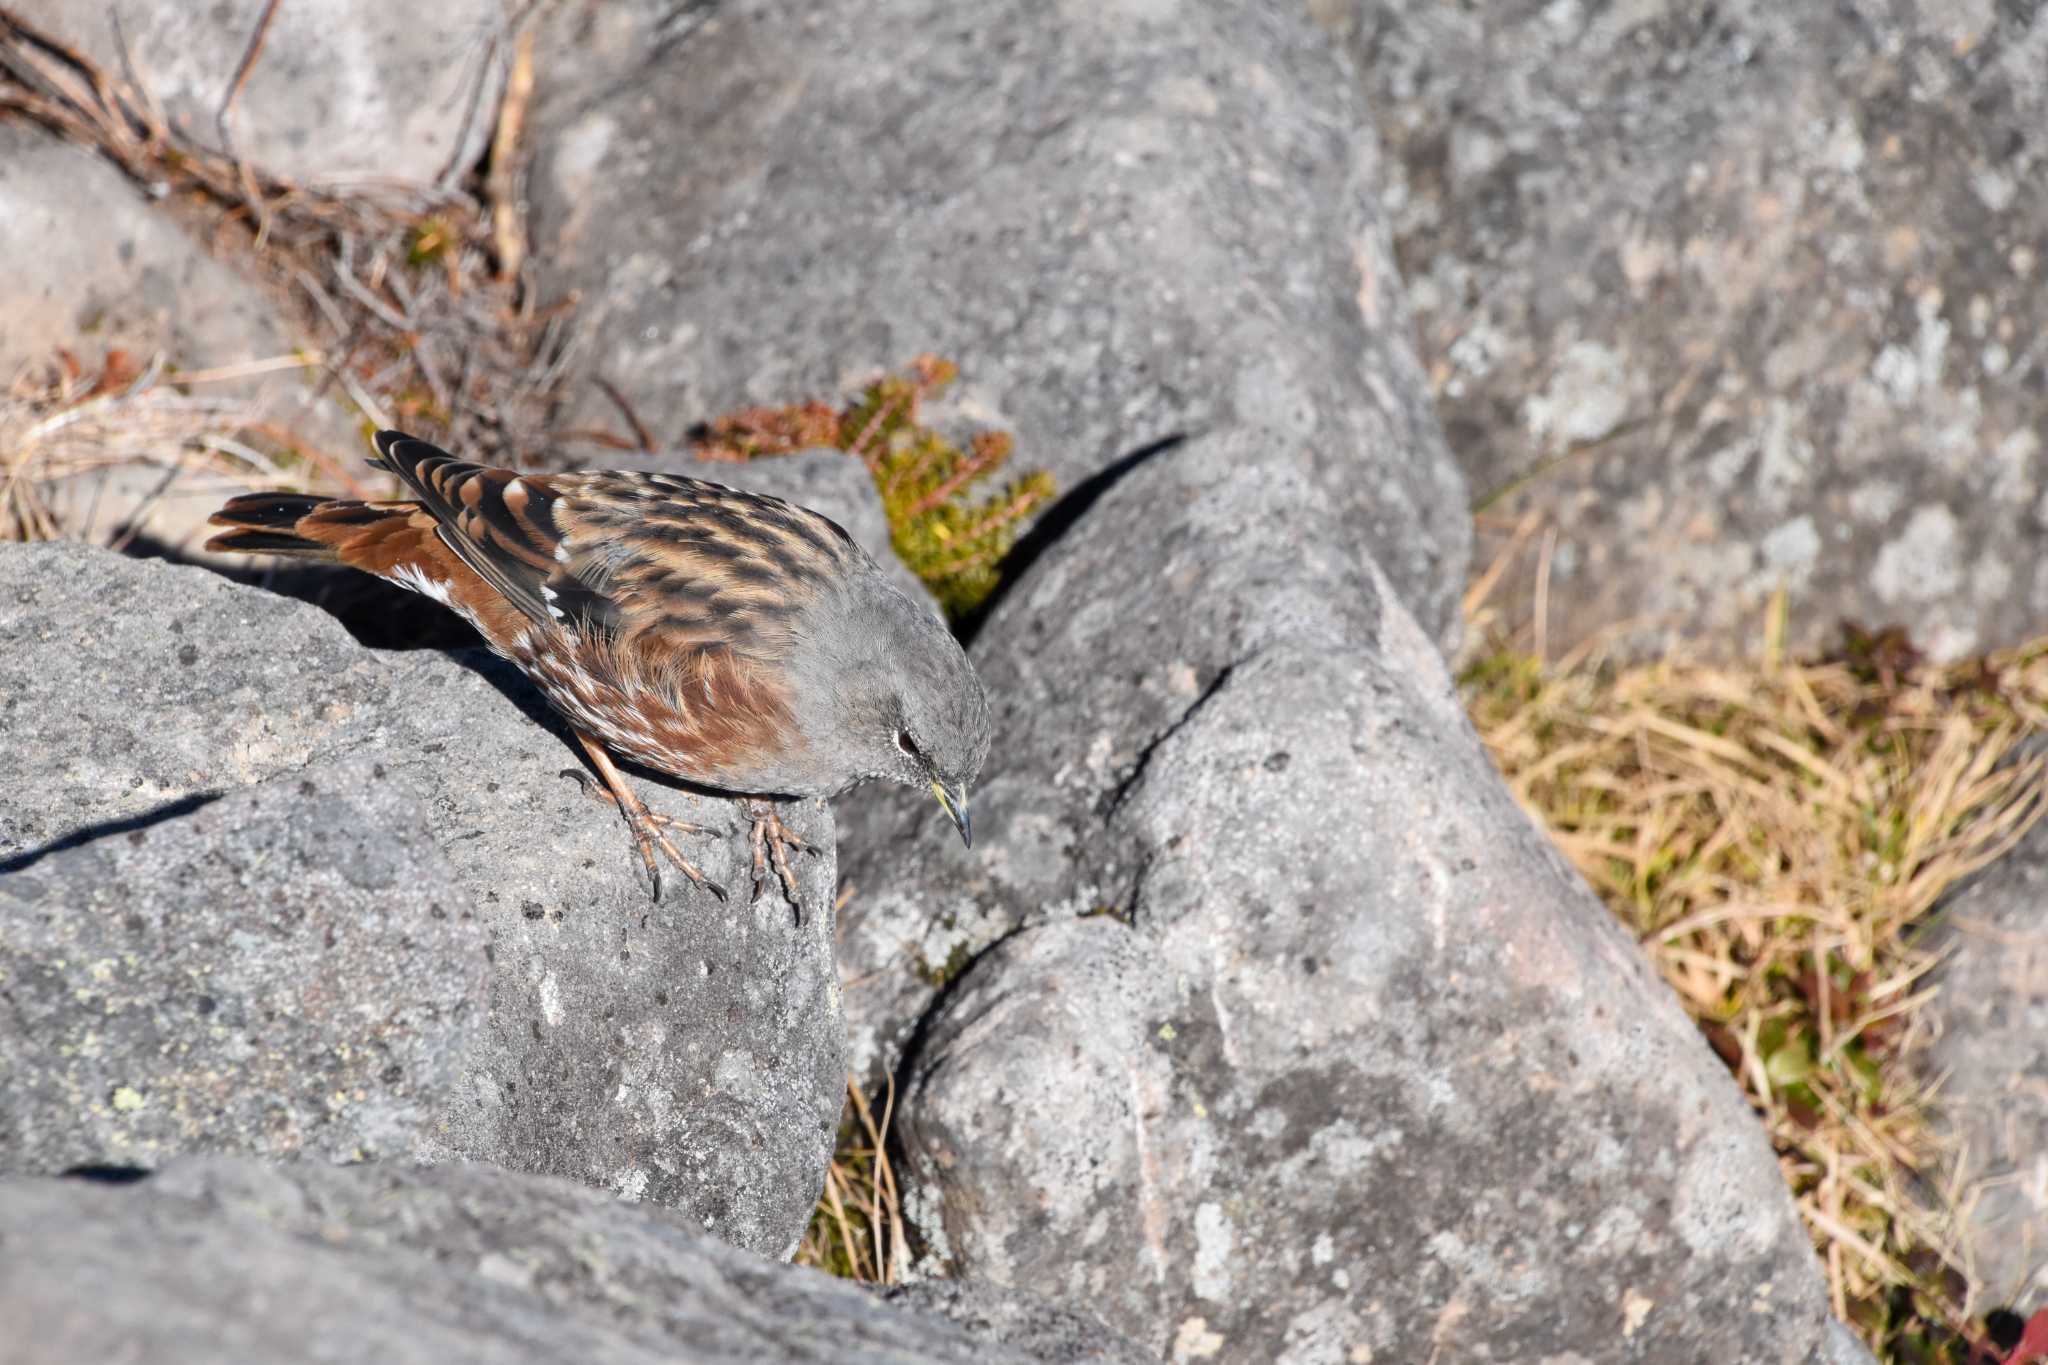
[{"x": 296, "y": 525}]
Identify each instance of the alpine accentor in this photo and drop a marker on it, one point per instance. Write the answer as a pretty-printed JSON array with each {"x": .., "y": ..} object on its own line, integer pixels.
[{"x": 731, "y": 639}]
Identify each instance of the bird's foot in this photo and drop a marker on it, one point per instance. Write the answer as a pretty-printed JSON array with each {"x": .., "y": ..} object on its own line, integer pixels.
[
  {"x": 650, "y": 831},
  {"x": 771, "y": 842}
]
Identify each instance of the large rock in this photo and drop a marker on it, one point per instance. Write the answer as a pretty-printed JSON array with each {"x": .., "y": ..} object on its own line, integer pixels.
[
  {"x": 1737, "y": 296},
  {"x": 342, "y": 91},
  {"x": 290, "y": 969},
  {"x": 224, "y": 1259},
  {"x": 686, "y": 1052},
  {"x": 1990, "y": 1025},
  {"x": 1359, "y": 1065},
  {"x": 1235, "y": 551},
  {"x": 112, "y": 269},
  {"x": 1123, "y": 221}
]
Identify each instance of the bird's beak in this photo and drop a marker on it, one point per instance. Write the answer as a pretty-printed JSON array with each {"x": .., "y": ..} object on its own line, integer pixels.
[{"x": 954, "y": 803}]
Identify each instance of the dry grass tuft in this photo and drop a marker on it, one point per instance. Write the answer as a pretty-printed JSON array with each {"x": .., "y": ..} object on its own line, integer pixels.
[
  {"x": 1776, "y": 835},
  {"x": 66, "y": 420},
  {"x": 413, "y": 294},
  {"x": 856, "y": 1232}
]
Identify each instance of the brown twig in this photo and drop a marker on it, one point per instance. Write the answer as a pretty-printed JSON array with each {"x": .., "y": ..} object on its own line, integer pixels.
[
  {"x": 641, "y": 434},
  {"x": 508, "y": 229},
  {"x": 242, "y": 73}
]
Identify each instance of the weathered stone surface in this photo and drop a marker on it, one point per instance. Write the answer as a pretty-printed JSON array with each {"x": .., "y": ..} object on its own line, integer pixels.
[
  {"x": 1748, "y": 293},
  {"x": 686, "y": 1052},
  {"x": 1369, "y": 1070},
  {"x": 224, "y": 1259},
  {"x": 1123, "y": 221},
  {"x": 1840, "y": 1346},
  {"x": 111, "y": 268},
  {"x": 1352, "y": 1048},
  {"x": 1990, "y": 1022},
  {"x": 1235, "y": 551},
  {"x": 287, "y": 970},
  {"x": 1013, "y": 1320},
  {"x": 343, "y": 91}
]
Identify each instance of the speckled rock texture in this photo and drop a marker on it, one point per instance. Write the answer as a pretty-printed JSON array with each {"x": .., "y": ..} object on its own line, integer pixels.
[
  {"x": 1379, "y": 1076},
  {"x": 687, "y": 1052},
  {"x": 287, "y": 970},
  {"x": 1990, "y": 1020},
  {"x": 368, "y": 92},
  {"x": 227, "y": 1259},
  {"x": 1125, "y": 220},
  {"x": 1267, "y": 1025},
  {"x": 1238, "y": 552},
  {"x": 1840, "y": 1346},
  {"x": 1010, "y": 1319},
  {"x": 1736, "y": 296}
]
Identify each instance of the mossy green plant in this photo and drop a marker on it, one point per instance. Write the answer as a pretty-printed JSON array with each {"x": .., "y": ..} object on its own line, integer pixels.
[{"x": 953, "y": 540}]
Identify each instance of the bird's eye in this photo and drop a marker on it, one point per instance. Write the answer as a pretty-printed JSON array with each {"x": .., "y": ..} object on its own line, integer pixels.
[{"x": 903, "y": 742}]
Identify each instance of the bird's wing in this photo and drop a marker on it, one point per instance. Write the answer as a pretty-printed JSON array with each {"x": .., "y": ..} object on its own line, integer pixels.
[
  {"x": 502, "y": 525},
  {"x": 652, "y": 560}
]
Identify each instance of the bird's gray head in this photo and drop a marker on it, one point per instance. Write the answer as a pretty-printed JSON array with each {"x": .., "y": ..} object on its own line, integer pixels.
[{"x": 883, "y": 676}]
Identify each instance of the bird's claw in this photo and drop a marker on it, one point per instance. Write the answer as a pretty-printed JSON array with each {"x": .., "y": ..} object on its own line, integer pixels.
[
  {"x": 649, "y": 829},
  {"x": 771, "y": 841}
]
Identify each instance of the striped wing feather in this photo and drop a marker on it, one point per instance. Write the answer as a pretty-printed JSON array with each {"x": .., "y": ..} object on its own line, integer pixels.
[{"x": 646, "y": 562}]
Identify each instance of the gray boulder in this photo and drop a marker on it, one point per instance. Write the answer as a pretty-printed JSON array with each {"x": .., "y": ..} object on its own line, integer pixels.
[
  {"x": 1990, "y": 1023},
  {"x": 112, "y": 268},
  {"x": 1123, "y": 222},
  {"x": 687, "y": 1052},
  {"x": 289, "y": 969},
  {"x": 1017, "y": 1321},
  {"x": 348, "y": 91},
  {"x": 1358, "y": 1065},
  {"x": 226, "y": 1259},
  {"x": 1237, "y": 552},
  {"x": 1737, "y": 296}
]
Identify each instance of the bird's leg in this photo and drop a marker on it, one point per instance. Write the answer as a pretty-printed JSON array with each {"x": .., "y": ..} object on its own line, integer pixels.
[
  {"x": 649, "y": 829},
  {"x": 601, "y": 794},
  {"x": 771, "y": 842}
]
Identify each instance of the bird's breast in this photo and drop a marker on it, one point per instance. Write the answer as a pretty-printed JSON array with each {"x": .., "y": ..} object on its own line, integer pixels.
[{"x": 706, "y": 718}]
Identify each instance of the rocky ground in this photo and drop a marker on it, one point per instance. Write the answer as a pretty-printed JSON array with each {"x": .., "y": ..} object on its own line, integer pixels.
[
  {"x": 1259, "y": 1024},
  {"x": 1734, "y": 296}
]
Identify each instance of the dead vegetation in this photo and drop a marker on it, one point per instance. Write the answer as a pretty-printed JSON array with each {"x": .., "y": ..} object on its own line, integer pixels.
[
  {"x": 1777, "y": 834},
  {"x": 412, "y": 296},
  {"x": 857, "y": 1230}
]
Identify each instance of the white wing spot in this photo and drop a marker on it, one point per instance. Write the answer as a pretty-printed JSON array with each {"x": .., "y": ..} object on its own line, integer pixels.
[{"x": 414, "y": 577}]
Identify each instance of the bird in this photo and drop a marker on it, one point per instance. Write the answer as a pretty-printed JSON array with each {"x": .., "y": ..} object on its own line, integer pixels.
[{"x": 734, "y": 640}]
